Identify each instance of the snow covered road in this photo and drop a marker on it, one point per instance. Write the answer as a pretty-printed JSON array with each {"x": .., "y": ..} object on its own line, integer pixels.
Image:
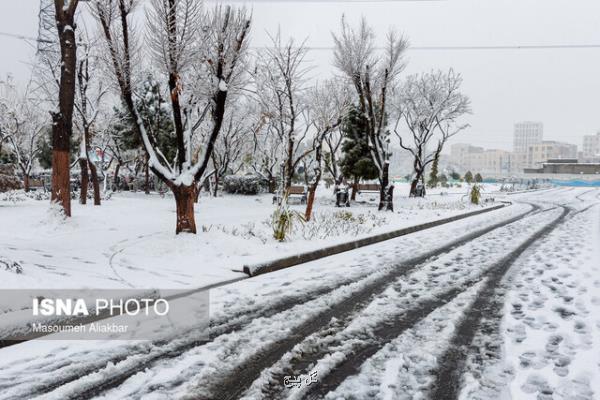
[{"x": 500, "y": 300}]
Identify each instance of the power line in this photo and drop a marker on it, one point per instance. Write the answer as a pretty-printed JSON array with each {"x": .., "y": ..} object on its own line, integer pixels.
[
  {"x": 433, "y": 48},
  {"x": 482, "y": 47}
]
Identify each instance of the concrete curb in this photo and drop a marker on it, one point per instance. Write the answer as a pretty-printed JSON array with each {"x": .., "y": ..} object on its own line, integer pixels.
[{"x": 286, "y": 262}]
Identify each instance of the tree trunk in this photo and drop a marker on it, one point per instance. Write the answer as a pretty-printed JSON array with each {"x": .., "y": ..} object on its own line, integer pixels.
[
  {"x": 312, "y": 190},
  {"x": 61, "y": 184},
  {"x": 85, "y": 180},
  {"x": 116, "y": 177},
  {"x": 288, "y": 169},
  {"x": 354, "y": 188},
  {"x": 95, "y": 182},
  {"x": 62, "y": 121},
  {"x": 147, "y": 175},
  {"x": 272, "y": 184},
  {"x": 309, "y": 202},
  {"x": 415, "y": 182},
  {"x": 216, "y": 187},
  {"x": 26, "y": 182},
  {"x": 184, "y": 197},
  {"x": 385, "y": 194}
]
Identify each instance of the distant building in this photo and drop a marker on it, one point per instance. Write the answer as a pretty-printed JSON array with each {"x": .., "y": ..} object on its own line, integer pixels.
[
  {"x": 461, "y": 155},
  {"x": 591, "y": 146},
  {"x": 492, "y": 162},
  {"x": 566, "y": 167},
  {"x": 537, "y": 154},
  {"x": 477, "y": 159},
  {"x": 526, "y": 134}
]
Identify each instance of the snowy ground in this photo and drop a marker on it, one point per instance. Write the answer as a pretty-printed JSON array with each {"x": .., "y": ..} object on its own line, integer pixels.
[
  {"x": 129, "y": 241},
  {"x": 499, "y": 306}
]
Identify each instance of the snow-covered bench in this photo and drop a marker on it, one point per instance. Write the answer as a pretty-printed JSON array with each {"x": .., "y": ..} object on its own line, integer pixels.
[{"x": 369, "y": 188}]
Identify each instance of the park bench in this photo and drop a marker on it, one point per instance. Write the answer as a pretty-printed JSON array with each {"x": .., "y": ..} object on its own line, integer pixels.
[
  {"x": 369, "y": 188},
  {"x": 295, "y": 191},
  {"x": 35, "y": 184}
]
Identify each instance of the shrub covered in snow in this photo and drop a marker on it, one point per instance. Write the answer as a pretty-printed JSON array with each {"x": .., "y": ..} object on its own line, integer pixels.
[
  {"x": 10, "y": 265},
  {"x": 15, "y": 196},
  {"x": 245, "y": 231},
  {"x": 8, "y": 178},
  {"x": 340, "y": 223},
  {"x": 248, "y": 184}
]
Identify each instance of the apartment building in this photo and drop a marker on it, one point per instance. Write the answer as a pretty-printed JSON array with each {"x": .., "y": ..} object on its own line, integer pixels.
[
  {"x": 591, "y": 146},
  {"x": 461, "y": 155},
  {"x": 526, "y": 134}
]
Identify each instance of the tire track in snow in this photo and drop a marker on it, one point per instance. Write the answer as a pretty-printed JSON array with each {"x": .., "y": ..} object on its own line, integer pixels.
[
  {"x": 168, "y": 349},
  {"x": 162, "y": 350},
  {"x": 303, "y": 358},
  {"x": 386, "y": 333},
  {"x": 235, "y": 383},
  {"x": 489, "y": 302}
]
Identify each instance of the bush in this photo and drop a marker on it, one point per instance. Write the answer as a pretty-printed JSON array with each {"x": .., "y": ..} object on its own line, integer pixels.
[
  {"x": 475, "y": 194},
  {"x": 469, "y": 177},
  {"x": 8, "y": 178},
  {"x": 246, "y": 231},
  {"x": 284, "y": 220},
  {"x": 327, "y": 225},
  {"x": 248, "y": 184},
  {"x": 11, "y": 266}
]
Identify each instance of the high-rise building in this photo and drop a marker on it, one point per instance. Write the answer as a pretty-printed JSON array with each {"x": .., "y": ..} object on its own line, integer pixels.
[{"x": 526, "y": 134}]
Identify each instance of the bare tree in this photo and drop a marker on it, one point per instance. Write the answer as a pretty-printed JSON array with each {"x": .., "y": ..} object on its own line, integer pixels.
[
  {"x": 430, "y": 105},
  {"x": 333, "y": 146},
  {"x": 280, "y": 79},
  {"x": 232, "y": 144},
  {"x": 267, "y": 153},
  {"x": 200, "y": 54},
  {"x": 24, "y": 128},
  {"x": 90, "y": 92},
  {"x": 62, "y": 118},
  {"x": 372, "y": 75},
  {"x": 328, "y": 104}
]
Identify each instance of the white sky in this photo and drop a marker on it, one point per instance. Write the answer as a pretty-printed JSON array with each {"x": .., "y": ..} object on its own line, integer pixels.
[{"x": 556, "y": 86}]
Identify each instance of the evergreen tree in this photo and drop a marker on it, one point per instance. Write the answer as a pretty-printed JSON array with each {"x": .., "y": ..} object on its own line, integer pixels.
[
  {"x": 469, "y": 177},
  {"x": 478, "y": 178},
  {"x": 433, "y": 175},
  {"x": 155, "y": 113},
  {"x": 455, "y": 175},
  {"x": 443, "y": 179},
  {"x": 356, "y": 162},
  {"x": 45, "y": 154}
]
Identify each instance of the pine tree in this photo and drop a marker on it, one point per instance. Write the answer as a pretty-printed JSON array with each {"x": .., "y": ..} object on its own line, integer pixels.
[
  {"x": 433, "y": 176},
  {"x": 156, "y": 116},
  {"x": 478, "y": 178},
  {"x": 469, "y": 177},
  {"x": 356, "y": 162}
]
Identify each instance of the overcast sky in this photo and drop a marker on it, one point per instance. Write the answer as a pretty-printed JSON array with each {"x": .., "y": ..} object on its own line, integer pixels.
[{"x": 559, "y": 87}]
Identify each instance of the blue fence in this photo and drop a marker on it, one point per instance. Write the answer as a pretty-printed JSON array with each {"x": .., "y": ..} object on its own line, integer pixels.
[{"x": 576, "y": 183}]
